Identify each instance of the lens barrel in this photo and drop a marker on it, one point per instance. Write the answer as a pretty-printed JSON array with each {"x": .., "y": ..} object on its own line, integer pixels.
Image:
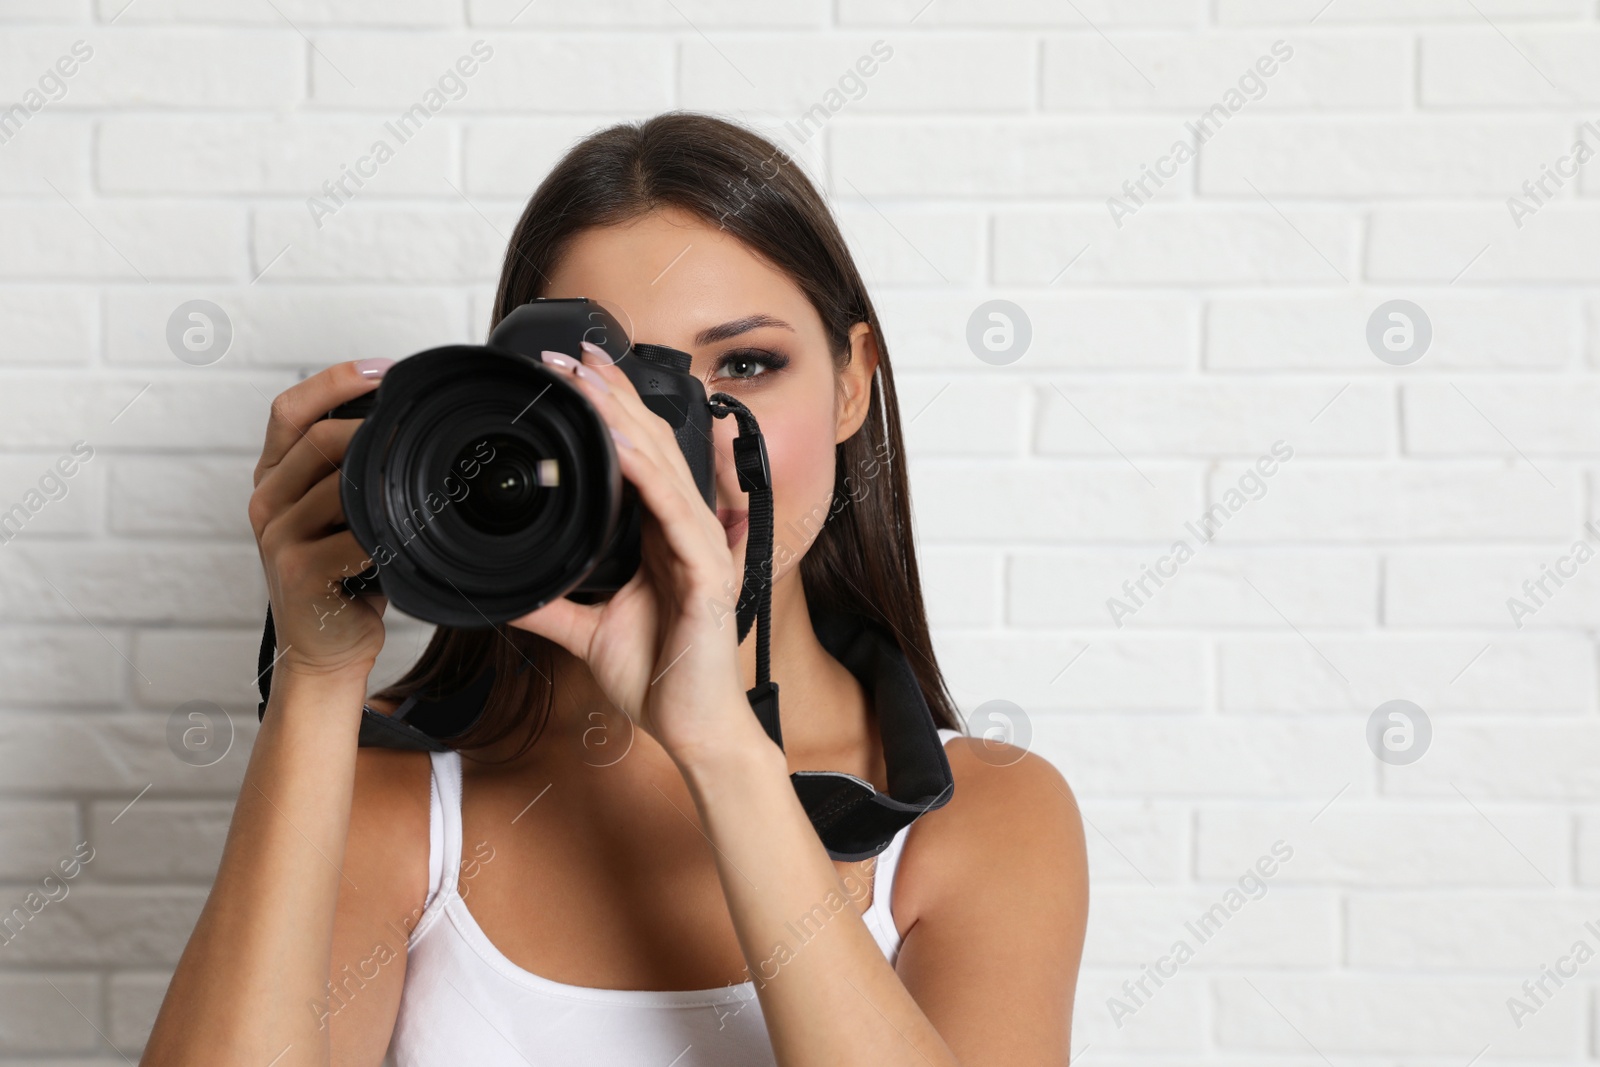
[{"x": 482, "y": 483}]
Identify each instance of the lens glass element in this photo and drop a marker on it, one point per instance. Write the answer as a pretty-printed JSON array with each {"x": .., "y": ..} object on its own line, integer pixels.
[{"x": 510, "y": 491}]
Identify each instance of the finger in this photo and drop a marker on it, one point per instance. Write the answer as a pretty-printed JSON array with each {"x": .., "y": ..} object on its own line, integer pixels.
[
  {"x": 307, "y": 462},
  {"x": 317, "y": 513},
  {"x": 656, "y": 428},
  {"x": 691, "y": 531},
  {"x": 677, "y": 494},
  {"x": 634, "y": 418},
  {"x": 611, "y": 404},
  {"x": 566, "y": 622},
  {"x": 621, "y": 407},
  {"x": 296, "y": 408}
]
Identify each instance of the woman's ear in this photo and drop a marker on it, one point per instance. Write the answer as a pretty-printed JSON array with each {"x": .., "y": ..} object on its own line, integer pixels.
[{"x": 855, "y": 382}]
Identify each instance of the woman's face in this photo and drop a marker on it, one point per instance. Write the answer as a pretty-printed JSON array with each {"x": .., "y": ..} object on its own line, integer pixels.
[{"x": 671, "y": 278}]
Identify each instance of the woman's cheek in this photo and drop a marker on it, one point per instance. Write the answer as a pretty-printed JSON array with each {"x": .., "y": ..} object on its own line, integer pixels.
[{"x": 800, "y": 454}]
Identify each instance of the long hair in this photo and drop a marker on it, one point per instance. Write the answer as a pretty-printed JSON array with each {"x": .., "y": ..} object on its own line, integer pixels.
[{"x": 862, "y": 560}]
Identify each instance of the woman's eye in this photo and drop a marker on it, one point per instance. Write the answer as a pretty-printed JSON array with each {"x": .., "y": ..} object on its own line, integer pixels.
[{"x": 750, "y": 364}]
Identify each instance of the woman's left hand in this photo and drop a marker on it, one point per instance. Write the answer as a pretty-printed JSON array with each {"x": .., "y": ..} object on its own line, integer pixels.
[{"x": 665, "y": 647}]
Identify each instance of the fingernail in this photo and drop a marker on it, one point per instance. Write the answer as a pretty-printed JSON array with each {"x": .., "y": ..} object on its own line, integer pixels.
[
  {"x": 595, "y": 352},
  {"x": 620, "y": 437},
  {"x": 590, "y": 376},
  {"x": 558, "y": 359},
  {"x": 374, "y": 367}
]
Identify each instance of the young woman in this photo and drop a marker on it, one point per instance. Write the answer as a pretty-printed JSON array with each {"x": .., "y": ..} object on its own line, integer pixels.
[{"x": 612, "y": 867}]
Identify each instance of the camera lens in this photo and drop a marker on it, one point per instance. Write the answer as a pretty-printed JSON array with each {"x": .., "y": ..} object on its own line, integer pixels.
[
  {"x": 507, "y": 494},
  {"x": 483, "y": 484}
]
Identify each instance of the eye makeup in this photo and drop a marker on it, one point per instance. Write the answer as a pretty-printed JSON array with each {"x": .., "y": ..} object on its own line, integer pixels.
[{"x": 765, "y": 357}]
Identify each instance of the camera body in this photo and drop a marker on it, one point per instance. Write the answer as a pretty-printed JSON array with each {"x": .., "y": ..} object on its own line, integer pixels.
[{"x": 483, "y": 484}]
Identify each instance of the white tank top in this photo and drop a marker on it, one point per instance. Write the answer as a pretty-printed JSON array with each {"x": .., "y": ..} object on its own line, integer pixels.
[{"x": 465, "y": 1002}]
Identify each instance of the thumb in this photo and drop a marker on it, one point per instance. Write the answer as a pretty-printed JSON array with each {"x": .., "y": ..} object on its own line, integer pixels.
[{"x": 566, "y": 622}]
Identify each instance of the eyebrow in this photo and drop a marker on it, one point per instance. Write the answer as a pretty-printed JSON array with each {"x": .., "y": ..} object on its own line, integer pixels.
[{"x": 712, "y": 334}]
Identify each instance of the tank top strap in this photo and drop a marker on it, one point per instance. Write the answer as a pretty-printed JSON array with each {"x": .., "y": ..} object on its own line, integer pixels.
[
  {"x": 879, "y": 914},
  {"x": 444, "y": 835}
]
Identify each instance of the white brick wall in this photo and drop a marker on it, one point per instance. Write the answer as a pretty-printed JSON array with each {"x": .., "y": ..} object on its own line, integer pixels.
[{"x": 1168, "y": 353}]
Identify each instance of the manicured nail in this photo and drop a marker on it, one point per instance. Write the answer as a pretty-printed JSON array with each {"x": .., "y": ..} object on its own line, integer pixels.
[
  {"x": 590, "y": 376},
  {"x": 595, "y": 353},
  {"x": 558, "y": 359},
  {"x": 374, "y": 367},
  {"x": 619, "y": 437}
]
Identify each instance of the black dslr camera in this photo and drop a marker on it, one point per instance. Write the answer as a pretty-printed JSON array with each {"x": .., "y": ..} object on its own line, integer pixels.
[{"x": 483, "y": 483}]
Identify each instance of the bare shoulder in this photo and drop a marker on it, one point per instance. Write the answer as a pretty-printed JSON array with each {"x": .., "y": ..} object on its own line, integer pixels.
[
  {"x": 1012, "y": 817},
  {"x": 993, "y": 897}
]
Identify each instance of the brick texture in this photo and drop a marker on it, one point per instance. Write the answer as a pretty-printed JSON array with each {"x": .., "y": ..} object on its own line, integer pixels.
[{"x": 1187, "y": 314}]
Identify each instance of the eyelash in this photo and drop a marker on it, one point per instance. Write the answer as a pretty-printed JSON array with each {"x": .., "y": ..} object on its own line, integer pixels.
[{"x": 773, "y": 361}]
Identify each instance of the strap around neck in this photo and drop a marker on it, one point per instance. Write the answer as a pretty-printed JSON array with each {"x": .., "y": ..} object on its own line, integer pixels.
[{"x": 755, "y": 593}]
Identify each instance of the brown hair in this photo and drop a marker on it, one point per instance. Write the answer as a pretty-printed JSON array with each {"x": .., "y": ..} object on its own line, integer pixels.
[{"x": 862, "y": 560}]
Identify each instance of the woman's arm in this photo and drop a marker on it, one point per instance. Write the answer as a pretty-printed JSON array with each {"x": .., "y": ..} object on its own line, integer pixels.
[
  {"x": 673, "y": 666},
  {"x": 993, "y": 957},
  {"x": 260, "y": 952},
  {"x": 257, "y": 969},
  {"x": 386, "y": 855},
  {"x": 998, "y": 880}
]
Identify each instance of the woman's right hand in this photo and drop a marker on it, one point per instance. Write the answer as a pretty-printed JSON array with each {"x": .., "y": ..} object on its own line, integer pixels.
[{"x": 297, "y": 517}]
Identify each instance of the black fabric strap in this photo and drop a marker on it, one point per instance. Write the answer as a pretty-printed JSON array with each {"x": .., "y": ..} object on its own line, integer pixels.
[
  {"x": 419, "y": 723},
  {"x": 755, "y": 594},
  {"x": 264, "y": 661}
]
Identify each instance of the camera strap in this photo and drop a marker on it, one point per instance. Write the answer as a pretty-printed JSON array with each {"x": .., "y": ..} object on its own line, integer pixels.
[
  {"x": 852, "y": 818},
  {"x": 755, "y": 593}
]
